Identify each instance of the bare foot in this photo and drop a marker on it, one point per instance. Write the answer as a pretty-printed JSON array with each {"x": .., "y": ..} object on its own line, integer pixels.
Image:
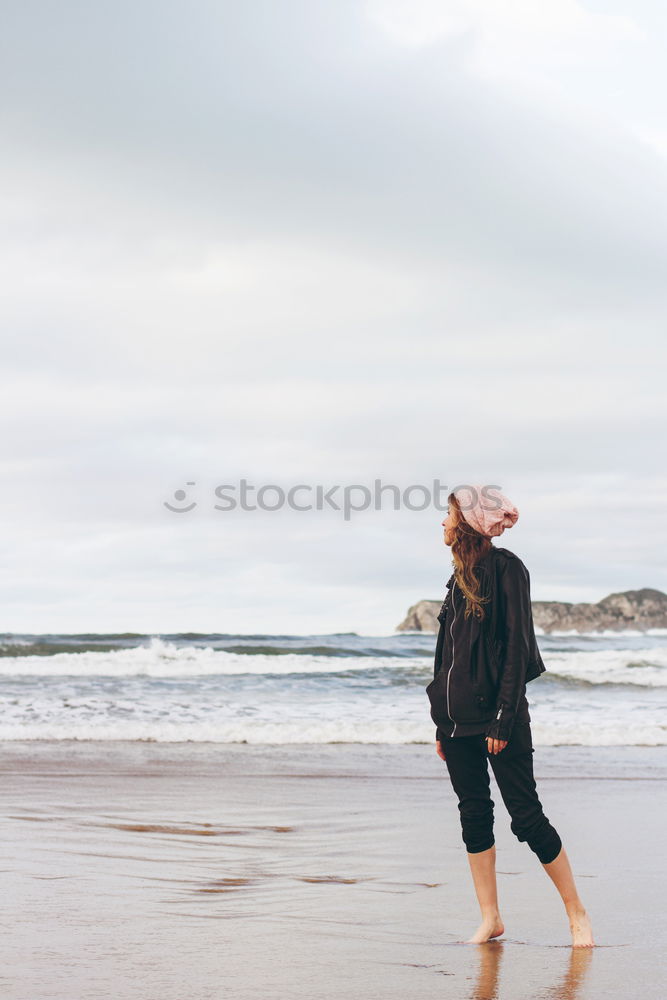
[
  {"x": 580, "y": 926},
  {"x": 490, "y": 927}
]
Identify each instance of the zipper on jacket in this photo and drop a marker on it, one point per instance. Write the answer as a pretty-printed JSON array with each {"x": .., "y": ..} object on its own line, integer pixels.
[
  {"x": 500, "y": 712},
  {"x": 453, "y": 606}
]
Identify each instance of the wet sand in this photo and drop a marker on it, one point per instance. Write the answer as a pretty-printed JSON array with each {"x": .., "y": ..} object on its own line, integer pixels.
[{"x": 204, "y": 871}]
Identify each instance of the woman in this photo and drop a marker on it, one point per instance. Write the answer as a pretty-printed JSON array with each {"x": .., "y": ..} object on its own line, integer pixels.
[{"x": 485, "y": 654}]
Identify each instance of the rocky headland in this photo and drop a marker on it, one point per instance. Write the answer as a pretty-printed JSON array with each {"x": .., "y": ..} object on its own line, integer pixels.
[{"x": 631, "y": 609}]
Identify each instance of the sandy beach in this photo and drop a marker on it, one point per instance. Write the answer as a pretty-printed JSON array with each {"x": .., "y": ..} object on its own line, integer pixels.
[{"x": 142, "y": 870}]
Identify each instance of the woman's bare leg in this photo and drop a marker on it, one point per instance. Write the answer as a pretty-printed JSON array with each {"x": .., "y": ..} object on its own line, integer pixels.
[
  {"x": 560, "y": 873},
  {"x": 483, "y": 868}
]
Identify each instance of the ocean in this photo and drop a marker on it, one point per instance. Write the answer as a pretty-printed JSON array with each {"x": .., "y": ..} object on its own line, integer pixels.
[{"x": 599, "y": 689}]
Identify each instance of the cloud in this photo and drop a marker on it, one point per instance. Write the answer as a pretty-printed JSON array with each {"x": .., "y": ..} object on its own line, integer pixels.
[
  {"x": 508, "y": 37},
  {"x": 321, "y": 245}
]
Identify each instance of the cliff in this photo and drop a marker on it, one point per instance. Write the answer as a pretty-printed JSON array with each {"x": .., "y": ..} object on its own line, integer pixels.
[{"x": 630, "y": 609}]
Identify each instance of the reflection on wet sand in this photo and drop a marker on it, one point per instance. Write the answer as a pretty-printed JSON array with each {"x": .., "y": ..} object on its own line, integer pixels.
[{"x": 567, "y": 987}]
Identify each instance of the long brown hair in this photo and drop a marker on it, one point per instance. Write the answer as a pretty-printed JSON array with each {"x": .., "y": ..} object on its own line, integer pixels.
[{"x": 468, "y": 547}]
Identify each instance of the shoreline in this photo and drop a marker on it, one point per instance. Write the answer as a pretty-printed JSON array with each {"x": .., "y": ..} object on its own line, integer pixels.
[{"x": 202, "y": 870}]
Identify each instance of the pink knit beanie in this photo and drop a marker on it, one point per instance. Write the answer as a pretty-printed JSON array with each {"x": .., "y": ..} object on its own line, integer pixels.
[{"x": 486, "y": 509}]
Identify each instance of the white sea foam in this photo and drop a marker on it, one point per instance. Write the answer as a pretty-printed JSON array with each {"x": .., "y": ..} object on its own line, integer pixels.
[
  {"x": 640, "y": 667},
  {"x": 162, "y": 659},
  {"x": 606, "y": 633},
  {"x": 340, "y": 731},
  {"x": 165, "y": 659}
]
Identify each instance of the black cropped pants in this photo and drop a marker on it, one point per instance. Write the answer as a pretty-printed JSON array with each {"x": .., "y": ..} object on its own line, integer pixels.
[{"x": 466, "y": 759}]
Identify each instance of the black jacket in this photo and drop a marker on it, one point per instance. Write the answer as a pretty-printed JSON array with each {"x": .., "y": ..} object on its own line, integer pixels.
[{"x": 486, "y": 671}]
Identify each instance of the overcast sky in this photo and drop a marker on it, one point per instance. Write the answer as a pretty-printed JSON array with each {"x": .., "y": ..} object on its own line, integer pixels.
[{"x": 324, "y": 244}]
